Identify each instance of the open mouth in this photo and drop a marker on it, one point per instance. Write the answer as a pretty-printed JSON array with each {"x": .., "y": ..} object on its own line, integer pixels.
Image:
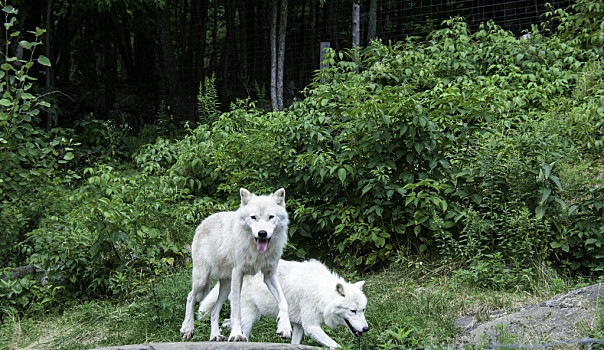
[
  {"x": 262, "y": 244},
  {"x": 352, "y": 330}
]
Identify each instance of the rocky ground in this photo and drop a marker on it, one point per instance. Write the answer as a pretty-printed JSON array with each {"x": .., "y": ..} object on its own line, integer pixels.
[{"x": 567, "y": 318}]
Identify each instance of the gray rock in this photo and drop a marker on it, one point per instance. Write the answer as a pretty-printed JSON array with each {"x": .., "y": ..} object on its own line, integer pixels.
[{"x": 565, "y": 317}]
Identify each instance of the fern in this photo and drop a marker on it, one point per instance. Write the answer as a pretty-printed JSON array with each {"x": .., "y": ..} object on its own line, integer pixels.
[{"x": 207, "y": 101}]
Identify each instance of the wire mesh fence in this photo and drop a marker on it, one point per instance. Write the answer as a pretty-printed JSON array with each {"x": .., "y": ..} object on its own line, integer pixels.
[{"x": 313, "y": 22}]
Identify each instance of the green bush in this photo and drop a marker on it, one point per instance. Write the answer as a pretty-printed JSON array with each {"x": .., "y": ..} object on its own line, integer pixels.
[
  {"x": 30, "y": 158},
  {"x": 402, "y": 149},
  {"x": 119, "y": 227}
]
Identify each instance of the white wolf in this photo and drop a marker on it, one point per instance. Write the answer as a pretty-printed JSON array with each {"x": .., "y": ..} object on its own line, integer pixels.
[
  {"x": 229, "y": 245},
  {"x": 315, "y": 296}
]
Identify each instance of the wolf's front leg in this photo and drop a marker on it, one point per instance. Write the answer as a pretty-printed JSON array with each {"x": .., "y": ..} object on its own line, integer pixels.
[
  {"x": 284, "y": 327},
  {"x": 318, "y": 334},
  {"x": 236, "y": 283}
]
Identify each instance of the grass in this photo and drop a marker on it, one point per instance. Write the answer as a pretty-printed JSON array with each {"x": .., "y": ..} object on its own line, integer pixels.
[{"x": 407, "y": 308}]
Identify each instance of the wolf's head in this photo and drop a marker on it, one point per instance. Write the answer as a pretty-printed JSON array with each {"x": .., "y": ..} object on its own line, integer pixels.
[
  {"x": 263, "y": 216},
  {"x": 350, "y": 307}
]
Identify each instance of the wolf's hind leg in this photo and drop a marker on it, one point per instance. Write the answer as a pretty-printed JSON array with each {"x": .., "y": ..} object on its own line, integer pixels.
[
  {"x": 206, "y": 305},
  {"x": 200, "y": 287},
  {"x": 297, "y": 333},
  {"x": 249, "y": 316},
  {"x": 223, "y": 294}
]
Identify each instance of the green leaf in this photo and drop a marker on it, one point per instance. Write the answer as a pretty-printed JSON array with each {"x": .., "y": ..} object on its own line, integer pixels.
[
  {"x": 572, "y": 209},
  {"x": 548, "y": 170},
  {"x": 366, "y": 189},
  {"x": 43, "y": 60},
  {"x": 10, "y": 23},
  {"x": 594, "y": 241},
  {"x": 25, "y": 44},
  {"x": 11, "y": 10},
  {"x": 68, "y": 156},
  {"x": 540, "y": 211},
  {"x": 544, "y": 195},
  {"x": 39, "y": 32},
  {"x": 6, "y": 103},
  {"x": 556, "y": 180},
  {"x": 342, "y": 174}
]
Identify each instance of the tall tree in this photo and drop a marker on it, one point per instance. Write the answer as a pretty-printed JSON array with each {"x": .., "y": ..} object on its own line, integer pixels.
[
  {"x": 172, "y": 88},
  {"x": 281, "y": 52},
  {"x": 277, "y": 38},
  {"x": 273, "y": 41},
  {"x": 371, "y": 29}
]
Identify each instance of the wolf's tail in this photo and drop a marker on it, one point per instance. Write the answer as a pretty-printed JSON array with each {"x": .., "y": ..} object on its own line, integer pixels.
[{"x": 208, "y": 303}]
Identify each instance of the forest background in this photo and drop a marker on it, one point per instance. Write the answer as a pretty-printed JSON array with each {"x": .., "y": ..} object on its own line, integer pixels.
[{"x": 469, "y": 145}]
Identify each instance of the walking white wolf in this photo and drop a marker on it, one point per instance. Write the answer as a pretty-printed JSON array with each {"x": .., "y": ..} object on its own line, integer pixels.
[
  {"x": 315, "y": 296},
  {"x": 229, "y": 245}
]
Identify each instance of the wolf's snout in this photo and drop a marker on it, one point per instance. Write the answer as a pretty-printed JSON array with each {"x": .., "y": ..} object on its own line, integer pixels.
[
  {"x": 365, "y": 329},
  {"x": 262, "y": 234}
]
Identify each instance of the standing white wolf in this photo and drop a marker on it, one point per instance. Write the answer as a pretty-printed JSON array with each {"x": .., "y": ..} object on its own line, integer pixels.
[
  {"x": 229, "y": 245},
  {"x": 315, "y": 296}
]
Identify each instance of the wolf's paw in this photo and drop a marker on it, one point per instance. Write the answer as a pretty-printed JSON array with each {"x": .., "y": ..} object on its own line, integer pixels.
[
  {"x": 237, "y": 337},
  {"x": 218, "y": 337},
  {"x": 284, "y": 328},
  {"x": 186, "y": 336},
  {"x": 187, "y": 332}
]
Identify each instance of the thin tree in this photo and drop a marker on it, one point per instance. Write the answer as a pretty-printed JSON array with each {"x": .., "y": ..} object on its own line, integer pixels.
[
  {"x": 277, "y": 37},
  {"x": 273, "y": 39},
  {"x": 371, "y": 30}
]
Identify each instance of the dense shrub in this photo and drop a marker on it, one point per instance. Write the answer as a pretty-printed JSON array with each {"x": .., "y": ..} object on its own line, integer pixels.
[
  {"x": 406, "y": 148},
  {"x": 30, "y": 157}
]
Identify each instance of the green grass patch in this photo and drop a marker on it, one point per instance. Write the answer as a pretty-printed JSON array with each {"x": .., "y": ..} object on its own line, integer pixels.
[{"x": 407, "y": 308}]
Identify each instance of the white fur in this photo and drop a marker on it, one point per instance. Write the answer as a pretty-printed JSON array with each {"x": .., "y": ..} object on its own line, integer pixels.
[
  {"x": 224, "y": 248},
  {"x": 315, "y": 297}
]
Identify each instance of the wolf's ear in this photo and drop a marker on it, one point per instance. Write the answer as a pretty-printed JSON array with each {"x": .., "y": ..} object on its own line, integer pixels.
[
  {"x": 279, "y": 197},
  {"x": 245, "y": 196},
  {"x": 340, "y": 289},
  {"x": 359, "y": 285}
]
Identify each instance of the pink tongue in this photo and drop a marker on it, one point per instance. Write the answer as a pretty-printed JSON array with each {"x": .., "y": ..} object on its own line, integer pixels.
[{"x": 261, "y": 245}]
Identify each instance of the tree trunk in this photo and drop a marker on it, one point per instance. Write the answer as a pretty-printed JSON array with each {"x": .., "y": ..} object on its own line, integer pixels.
[
  {"x": 273, "y": 40},
  {"x": 51, "y": 117},
  {"x": 330, "y": 23},
  {"x": 371, "y": 29},
  {"x": 228, "y": 86},
  {"x": 167, "y": 68},
  {"x": 243, "y": 76},
  {"x": 281, "y": 53},
  {"x": 356, "y": 25},
  {"x": 214, "y": 55}
]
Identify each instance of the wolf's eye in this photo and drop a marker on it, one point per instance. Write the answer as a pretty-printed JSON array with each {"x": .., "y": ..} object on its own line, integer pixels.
[
  {"x": 353, "y": 311},
  {"x": 253, "y": 217},
  {"x": 270, "y": 217}
]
